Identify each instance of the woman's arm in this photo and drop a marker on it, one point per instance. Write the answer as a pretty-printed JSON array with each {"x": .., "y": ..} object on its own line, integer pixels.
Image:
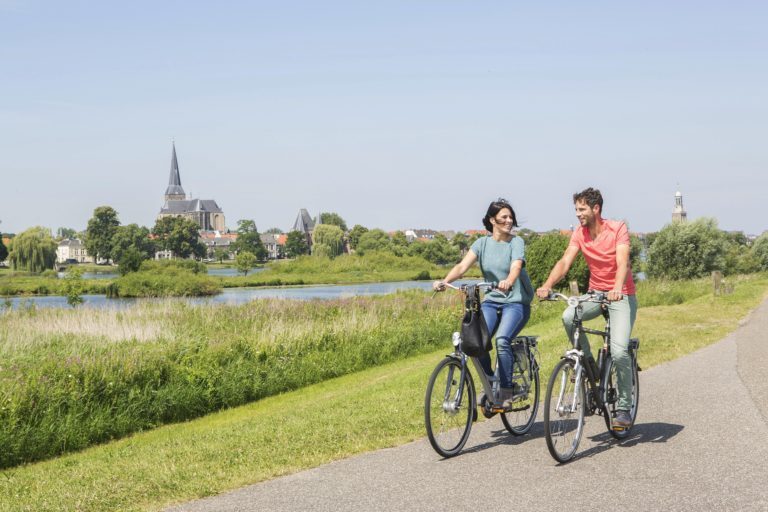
[{"x": 457, "y": 271}]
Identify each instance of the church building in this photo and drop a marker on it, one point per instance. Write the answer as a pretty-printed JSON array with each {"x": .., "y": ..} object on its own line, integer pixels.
[{"x": 205, "y": 212}]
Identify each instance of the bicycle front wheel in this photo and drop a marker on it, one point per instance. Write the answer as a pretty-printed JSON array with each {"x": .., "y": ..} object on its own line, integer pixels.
[
  {"x": 611, "y": 397},
  {"x": 448, "y": 407},
  {"x": 520, "y": 419},
  {"x": 564, "y": 411}
]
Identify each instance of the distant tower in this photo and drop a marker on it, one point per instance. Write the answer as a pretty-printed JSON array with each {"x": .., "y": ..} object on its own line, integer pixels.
[
  {"x": 678, "y": 214},
  {"x": 174, "y": 192}
]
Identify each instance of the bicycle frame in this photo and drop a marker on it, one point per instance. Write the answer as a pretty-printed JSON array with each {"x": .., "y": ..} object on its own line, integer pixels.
[{"x": 578, "y": 357}]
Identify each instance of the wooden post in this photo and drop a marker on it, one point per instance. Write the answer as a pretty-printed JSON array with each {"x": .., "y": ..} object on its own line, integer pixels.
[
  {"x": 717, "y": 282},
  {"x": 574, "y": 285}
]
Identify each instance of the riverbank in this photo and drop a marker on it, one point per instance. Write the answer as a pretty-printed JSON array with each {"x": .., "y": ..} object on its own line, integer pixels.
[{"x": 376, "y": 408}]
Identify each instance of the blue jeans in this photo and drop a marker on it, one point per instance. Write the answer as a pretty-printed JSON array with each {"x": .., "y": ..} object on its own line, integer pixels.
[{"x": 506, "y": 320}]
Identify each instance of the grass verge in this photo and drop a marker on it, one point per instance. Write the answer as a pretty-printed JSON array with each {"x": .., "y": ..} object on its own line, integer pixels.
[{"x": 376, "y": 408}]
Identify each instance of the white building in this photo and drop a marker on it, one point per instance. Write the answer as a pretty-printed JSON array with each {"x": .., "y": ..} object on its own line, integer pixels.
[{"x": 72, "y": 250}]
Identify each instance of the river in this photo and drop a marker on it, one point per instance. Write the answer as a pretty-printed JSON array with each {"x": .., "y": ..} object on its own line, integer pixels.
[{"x": 230, "y": 295}]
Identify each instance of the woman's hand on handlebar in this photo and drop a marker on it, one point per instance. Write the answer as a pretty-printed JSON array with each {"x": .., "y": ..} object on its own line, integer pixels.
[{"x": 614, "y": 295}]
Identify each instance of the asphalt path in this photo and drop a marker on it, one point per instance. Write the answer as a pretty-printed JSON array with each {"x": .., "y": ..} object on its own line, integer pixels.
[{"x": 700, "y": 443}]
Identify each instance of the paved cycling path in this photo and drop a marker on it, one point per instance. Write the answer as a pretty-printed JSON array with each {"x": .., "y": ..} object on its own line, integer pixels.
[{"x": 701, "y": 443}]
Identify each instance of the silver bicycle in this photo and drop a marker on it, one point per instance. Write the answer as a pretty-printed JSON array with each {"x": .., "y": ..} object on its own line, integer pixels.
[
  {"x": 579, "y": 385},
  {"x": 449, "y": 404}
]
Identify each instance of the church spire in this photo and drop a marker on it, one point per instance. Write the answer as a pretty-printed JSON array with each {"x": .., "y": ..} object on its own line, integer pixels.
[{"x": 174, "y": 190}]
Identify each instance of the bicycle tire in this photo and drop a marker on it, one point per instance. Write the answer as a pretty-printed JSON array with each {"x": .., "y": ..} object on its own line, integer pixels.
[
  {"x": 610, "y": 397},
  {"x": 448, "y": 416},
  {"x": 521, "y": 418},
  {"x": 563, "y": 428}
]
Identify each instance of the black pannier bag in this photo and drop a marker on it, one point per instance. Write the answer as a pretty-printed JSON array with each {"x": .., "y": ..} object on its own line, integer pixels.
[{"x": 475, "y": 340}]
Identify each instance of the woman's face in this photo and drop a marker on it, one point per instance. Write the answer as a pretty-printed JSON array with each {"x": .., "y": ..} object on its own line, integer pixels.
[{"x": 503, "y": 222}]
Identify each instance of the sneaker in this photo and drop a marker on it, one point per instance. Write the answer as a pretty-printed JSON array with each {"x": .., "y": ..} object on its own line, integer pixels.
[
  {"x": 622, "y": 419},
  {"x": 508, "y": 395}
]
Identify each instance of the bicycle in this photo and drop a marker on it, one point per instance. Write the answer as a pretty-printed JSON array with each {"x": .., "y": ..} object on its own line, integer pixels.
[
  {"x": 449, "y": 403},
  {"x": 568, "y": 399}
]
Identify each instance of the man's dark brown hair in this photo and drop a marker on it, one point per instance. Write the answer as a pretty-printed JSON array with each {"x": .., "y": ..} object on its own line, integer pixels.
[{"x": 591, "y": 196}]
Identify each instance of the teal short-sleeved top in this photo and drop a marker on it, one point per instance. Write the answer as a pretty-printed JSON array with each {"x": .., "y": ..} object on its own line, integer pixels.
[{"x": 495, "y": 259}]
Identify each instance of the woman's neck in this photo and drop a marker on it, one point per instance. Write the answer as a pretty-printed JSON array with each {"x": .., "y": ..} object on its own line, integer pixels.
[{"x": 500, "y": 236}]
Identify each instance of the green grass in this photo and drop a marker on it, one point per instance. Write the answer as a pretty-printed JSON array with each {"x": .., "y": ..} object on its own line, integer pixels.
[{"x": 372, "y": 409}]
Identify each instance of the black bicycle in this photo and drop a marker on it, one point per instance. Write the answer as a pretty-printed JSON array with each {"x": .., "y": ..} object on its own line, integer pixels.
[
  {"x": 449, "y": 404},
  {"x": 579, "y": 385}
]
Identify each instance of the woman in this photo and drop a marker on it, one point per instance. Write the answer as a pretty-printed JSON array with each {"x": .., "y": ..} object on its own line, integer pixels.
[{"x": 501, "y": 256}]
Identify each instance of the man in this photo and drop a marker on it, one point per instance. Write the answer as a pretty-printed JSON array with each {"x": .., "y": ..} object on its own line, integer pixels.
[{"x": 605, "y": 245}]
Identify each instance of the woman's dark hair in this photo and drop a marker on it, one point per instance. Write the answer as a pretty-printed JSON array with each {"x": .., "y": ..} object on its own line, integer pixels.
[{"x": 494, "y": 208}]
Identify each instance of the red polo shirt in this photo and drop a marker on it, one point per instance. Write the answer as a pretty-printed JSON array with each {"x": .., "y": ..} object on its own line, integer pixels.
[{"x": 600, "y": 254}]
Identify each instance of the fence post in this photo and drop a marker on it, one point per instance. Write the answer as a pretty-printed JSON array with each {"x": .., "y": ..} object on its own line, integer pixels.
[
  {"x": 574, "y": 285},
  {"x": 717, "y": 282}
]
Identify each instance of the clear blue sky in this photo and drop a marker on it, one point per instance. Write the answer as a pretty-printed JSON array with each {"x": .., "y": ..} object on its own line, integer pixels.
[{"x": 394, "y": 114}]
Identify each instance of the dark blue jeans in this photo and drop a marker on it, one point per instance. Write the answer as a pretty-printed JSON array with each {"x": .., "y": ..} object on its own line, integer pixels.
[{"x": 506, "y": 320}]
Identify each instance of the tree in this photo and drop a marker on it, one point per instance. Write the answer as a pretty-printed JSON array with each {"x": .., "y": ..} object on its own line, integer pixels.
[
  {"x": 461, "y": 242},
  {"x": 328, "y": 240},
  {"x": 546, "y": 250},
  {"x": 220, "y": 254},
  {"x": 334, "y": 219},
  {"x": 398, "y": 244},
  {"x": 373, "y": 240},
  {"x": 130, "y": 261},
  {"x": 685, "y": 251},
  {"x": 3, "y": 250},
  {"x": 180, "y": 236},
  {"x": 355, "y": 234},
  {"x": 759, "y": 251},
  {"x": 73, "y": 286},
  {"x": 244, "y": 261},
  {"x": 274, "y": 231},
  {"x": 133, "y": 239},
  {"x": 438, "y": 250},
  {"x": 98, "y": 235},
  {"x": 33, "y": 250},
  {"x": 65, "y": 233},
  {"x": 249, "y": 239},
  {"x": 296, "y": 244}
]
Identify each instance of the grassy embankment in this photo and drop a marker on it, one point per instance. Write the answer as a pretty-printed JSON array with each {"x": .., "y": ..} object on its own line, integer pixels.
[
  {"x": 375, "y": 408},
  {"x": 345, "y": 269}
]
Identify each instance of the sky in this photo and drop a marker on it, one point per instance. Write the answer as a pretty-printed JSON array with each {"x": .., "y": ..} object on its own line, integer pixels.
[{"x": 396, "y": 114}]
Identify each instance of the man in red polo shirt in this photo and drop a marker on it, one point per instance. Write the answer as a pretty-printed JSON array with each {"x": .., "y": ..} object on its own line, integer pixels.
[{"x": 605, "y": 245}]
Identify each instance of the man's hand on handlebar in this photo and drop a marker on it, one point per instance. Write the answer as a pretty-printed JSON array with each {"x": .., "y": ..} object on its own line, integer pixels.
[{"x": 543, "y": 293}]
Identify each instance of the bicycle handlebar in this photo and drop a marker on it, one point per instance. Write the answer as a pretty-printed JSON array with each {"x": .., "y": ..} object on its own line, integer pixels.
[
  {"x": 492, "y": 285},
  {"x": 597, "y": 297}
]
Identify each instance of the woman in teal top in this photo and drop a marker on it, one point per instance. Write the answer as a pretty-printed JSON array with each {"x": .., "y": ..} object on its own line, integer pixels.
[{"x": 501, "y": 257}]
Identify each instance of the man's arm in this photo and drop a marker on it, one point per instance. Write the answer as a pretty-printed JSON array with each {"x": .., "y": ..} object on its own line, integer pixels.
[
  {"x": 622, "y": 267},
  {"x": 558, "y": 271}
]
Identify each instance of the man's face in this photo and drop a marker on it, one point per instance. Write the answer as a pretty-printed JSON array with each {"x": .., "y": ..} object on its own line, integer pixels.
[{"x": 585, "y": 214}]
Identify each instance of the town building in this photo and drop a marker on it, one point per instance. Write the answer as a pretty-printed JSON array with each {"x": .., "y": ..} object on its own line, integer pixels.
[
  {"x": 205, "y": 212},
  {"x": 274, "y": 244},
  {"x": 72, "y": 250},
  {"x": 305, "y": 225},
  {"x": 678, "y": 214},
  {"x": 215, "y": 241}
]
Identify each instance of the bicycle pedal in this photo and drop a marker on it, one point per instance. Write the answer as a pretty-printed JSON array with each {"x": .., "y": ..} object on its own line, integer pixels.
[
  {"x": 618, "y": 428},
  {"x": 496, "y": 410}
]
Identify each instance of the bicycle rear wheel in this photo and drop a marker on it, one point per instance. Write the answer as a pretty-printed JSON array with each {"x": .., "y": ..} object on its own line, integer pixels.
[
  {"x": 520, "y": 419},
  {"x": 611, "y": 397},
  {"x": 449, "y": 405},
  {"x": 564, "y": 412}
]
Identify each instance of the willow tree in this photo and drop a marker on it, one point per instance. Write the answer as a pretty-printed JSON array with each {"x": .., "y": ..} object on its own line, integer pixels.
[{"x": 33, "y": 250}]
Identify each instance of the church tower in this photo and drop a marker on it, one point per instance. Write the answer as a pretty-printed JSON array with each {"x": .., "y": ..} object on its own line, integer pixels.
[
  {"x": 678, "y": 214},
  {"x": 174, "y": 192}
]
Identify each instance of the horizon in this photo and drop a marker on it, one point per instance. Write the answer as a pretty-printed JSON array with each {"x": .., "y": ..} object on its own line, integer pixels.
[{"x": 393, "y": 116}]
